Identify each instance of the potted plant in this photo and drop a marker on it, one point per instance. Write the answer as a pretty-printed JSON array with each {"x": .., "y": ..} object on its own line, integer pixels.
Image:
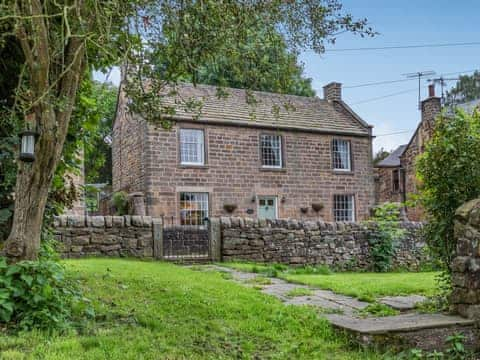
[
  {"x": 230, "y": 208},
  {"x": 317, "y": 207}
]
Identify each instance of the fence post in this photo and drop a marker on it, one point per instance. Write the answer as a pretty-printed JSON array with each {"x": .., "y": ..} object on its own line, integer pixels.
[
  {"x": 157, "y": 230},
  {"x": 215, "y": 237}
]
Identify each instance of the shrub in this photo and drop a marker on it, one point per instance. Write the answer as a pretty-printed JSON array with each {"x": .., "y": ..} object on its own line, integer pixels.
[
  {"x": 37, "y": 294},
  {"x": 388, "y": 232},
  {"x": 120, "y": 202},
  {"x": 449, "y": 172}
]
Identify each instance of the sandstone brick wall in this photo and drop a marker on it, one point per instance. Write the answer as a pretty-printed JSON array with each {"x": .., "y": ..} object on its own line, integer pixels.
[
  {"x": 383, "y": 186},
  {"x": 115, "y": 236},
  {"x": 431, "y": 108},
  {"x": 128, "y": 149},
  {"x": 233, "y": 173},
  {"x": 465, "y": 297},
  {"x": 341, "y": 245}
]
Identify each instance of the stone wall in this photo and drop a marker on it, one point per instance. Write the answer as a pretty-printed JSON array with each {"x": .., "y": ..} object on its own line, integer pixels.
[
  {"x": 465, "y": 297},
  {"x": 115, "y": 236},
  {"x": 341, "y": 245}
]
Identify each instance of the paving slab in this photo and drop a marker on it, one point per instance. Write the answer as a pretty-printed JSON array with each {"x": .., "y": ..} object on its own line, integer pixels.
[
  {"x": 399, "y": 323},
  {"x": 402, "y": 303}
]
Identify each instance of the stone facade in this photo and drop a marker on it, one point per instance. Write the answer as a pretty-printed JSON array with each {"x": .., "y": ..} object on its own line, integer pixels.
[
  {"x": 465, "y": 297},
  {"x": 146, "y": 160},
  {"x": 115, "y": 236},
  {"x": 430, "y": 109},
  {"x": 384, "y": 190},
  {"x": 340, "y": 245}
]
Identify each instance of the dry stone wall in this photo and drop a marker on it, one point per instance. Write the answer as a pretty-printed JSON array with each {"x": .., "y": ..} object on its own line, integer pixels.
[
  {"x": 341, "y": 245},
  {"x": 115, "y": 236},
  {"x": 465, "y": 296}
]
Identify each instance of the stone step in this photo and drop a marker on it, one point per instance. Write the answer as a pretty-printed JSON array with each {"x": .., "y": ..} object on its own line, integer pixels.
[
  {"x": 402, "y": 303},
  {"x": 423, "y": 331}
]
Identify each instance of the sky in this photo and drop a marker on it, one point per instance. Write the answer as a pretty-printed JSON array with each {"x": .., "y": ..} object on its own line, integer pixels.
[{"x": 398, "y": 23}]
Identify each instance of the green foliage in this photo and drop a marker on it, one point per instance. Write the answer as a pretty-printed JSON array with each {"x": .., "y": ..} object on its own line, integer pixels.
[
  {"x": 120, "y": 202},
  {"x": 449, "y": 170},
  {"x": 378, "y": 310},
  {"x": 455, "y": 351},
  {"x": 37, "y": 294},
  {"x": 380, "y": 155},
  {"x": 259, "y": 61},
  {"x": 95, "y": 111},
  {"x": 387, "y": 234},
  {"x": 466, "y": 89}
]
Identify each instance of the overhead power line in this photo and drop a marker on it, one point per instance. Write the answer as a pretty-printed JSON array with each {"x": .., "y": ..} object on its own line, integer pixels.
[
  {"x": 394, "y": 133},
  {"x": 396, "y": 47},
  {"x": 401, "y": 80},
  {"x": 385, "y": 96}
]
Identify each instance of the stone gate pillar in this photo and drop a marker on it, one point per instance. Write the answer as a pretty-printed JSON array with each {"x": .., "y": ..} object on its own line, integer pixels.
[{"x": 465, "y": 297}]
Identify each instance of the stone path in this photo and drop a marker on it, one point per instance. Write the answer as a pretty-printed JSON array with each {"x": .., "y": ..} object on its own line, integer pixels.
[
  {"x": 325, "y": 299},
  {"x": 409, "y": 329}
]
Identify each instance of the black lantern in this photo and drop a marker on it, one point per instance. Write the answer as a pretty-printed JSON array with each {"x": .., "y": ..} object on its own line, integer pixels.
[{"x": 27, "y": 150}]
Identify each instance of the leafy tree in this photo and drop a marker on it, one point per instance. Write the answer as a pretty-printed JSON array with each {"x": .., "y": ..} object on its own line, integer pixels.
[
  {"x": 61, "y": 41},
  {"x": 466, "y": 89},
  {"x": 261, "y": 61},
  {"x": 97, "y": 110},
  {"x": 450, "y": 174},
  {"x": 380, "y": 155}
]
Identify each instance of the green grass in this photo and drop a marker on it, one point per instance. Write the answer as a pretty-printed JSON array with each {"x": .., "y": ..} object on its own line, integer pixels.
[
  {"x": 378, "y": 310},
  {"x": 152, "y": 310},
  {"x": 362, "y": 285},
  {"x": 368, "y": 286},
  {"x": 299, "y": 292}
]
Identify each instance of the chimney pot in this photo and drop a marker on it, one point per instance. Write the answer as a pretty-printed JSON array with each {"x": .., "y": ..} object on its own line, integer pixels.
[
  {"x": 332, "y": 91},
  {"x": 431, "y": 90}
]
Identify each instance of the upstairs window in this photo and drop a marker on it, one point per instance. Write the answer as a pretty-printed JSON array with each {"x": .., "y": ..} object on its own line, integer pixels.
[
  {"x": 344, "y": 208},
  {"x": 341, "y": 155},
  {"x": 192, "y": 148},
  {"x": 271, "y": 151}
]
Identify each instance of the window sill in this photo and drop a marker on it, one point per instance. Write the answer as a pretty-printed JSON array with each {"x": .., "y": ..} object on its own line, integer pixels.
[
  {"x": 283, "y": 170},
  {"x": 343, "y": 172},
  {"x": 192, "y": 166}
]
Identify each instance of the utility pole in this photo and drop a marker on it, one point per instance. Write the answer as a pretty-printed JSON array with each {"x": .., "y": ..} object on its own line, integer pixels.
[{"x": 419, "y": 75}]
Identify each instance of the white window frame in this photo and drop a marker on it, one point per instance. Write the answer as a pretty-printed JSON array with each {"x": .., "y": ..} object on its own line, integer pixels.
[
  {"x": 280, "y": 139},
  {"x": 204, "y": 210},
  {"x": 349, "y": 154},
  {"x": 352, "y": 199},
  {"x": 199, "y": 146}
]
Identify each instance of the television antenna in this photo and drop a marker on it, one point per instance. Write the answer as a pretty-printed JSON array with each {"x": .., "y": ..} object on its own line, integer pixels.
[
  {"x": 443, "y": 82},
  {"x": 419, "y": 75}
]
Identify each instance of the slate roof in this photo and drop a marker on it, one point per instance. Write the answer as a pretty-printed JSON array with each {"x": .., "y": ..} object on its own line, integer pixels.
[
  {"x": 302, "y": 113},
  {"x": 393, "y": 160}
]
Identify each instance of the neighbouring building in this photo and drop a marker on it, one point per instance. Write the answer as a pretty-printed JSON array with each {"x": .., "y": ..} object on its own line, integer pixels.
[
  {"x": 281, "y": 157},
  {"x": 395, "y": 179},
  {"x": 389, "y": 178}
]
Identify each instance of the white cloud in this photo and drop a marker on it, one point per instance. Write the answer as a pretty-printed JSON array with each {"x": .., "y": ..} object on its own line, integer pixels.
[{"x": 113, "y": 76}]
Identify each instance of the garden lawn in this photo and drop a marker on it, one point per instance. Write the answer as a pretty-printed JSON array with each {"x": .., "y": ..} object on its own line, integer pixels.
[
  {"x": 368, "y": 286},
  {"x": 153, "y": 310},
  {"x": 365, "y": 286}
]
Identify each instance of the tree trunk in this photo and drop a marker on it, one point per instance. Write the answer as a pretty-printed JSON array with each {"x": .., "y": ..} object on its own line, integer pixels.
[{"x": 31, "y": 193}]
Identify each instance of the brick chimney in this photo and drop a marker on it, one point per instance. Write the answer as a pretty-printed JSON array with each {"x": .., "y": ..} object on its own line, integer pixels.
[
  {"x": 431, "y": 107},
  {"x": 332, "y": 91}
]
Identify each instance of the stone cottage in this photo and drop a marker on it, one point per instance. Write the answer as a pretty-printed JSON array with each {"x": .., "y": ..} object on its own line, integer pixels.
[
  {"x": 278, "y": 156},
  {"x": 395, "y": 176}
]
